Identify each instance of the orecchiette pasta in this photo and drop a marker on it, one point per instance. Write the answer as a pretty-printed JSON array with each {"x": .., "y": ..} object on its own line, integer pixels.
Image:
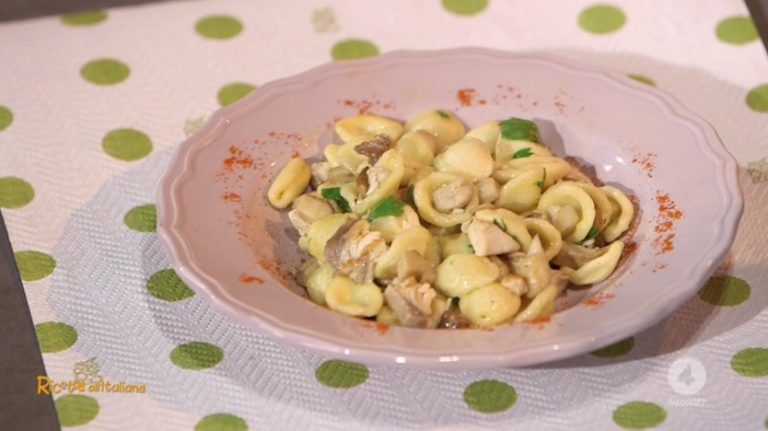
[
  {"x": 348, "y": 297},
  {"x": 443, "y": 125},
  {"x": 569, "y": 195},
  {"x": 289, "y": 183},
  {"x": 621, "y": 215},
  {"x": 468, "y": 158},
  {"x": 489, "y": 305},
  {"x": 361, "y": 127},
  {"x": 445, "y": 200},
  {"x": 488, "y": 133},
  {"x": 460, "y": 273},
  {"x": 426, "y": 225}
]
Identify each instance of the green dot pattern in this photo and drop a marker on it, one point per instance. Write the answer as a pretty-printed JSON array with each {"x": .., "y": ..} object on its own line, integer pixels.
[
  {"x": 196, "y": 355},
  {"x": 602, "y": 19},
  {"x": 76, "y": 410},
  {"x": 617, "y": 349},
  {"x": 84, "y": 18},
  {"x": 15, "y": 192},
  {"x": 490, "y": 396},
  {"x": 736, "y": 30},
  {"x": 219, "y": 27},
  {"x": 351, "y": 49},
  {"x": 221, "y": 422},
  {"x": 465, "y": 7},
  {"x": 752, "y": 362},
  {"x": 142, "y": 218},
  {"x": 757, "y": 98},
  {"x": 637, "y": 415},
  {"x": 341, "y": 374},
  {"x": 105, "y": 71},
  {"x": 127, "y": 144},
  {"x": 55, "y": 336},
  {"x": 6, "y": 118},
  {"x": 725, "y": 291},
  {"x": 167, "y": 286},
  {"x": 34, "y": 265},
  {"x": 233, "y": 92},
  {"x": 643, "y": 79}
]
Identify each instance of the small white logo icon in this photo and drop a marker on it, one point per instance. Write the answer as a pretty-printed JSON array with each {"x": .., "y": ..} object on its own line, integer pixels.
[{"x": 687, "y": 375}]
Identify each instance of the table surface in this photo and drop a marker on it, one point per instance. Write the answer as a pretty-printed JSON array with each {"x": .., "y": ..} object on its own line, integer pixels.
[{"x": 50, "y": 228}]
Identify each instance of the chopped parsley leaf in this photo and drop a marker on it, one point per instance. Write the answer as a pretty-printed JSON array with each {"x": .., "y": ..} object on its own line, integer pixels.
[
  {"x": 523, "y": 153},
  {"x": 388, "y": 207},
  {"x": 592, "y": 234},
  {"x": 543, "y": 180},
  {"x": 500, "y": 223},
  {"x": 443, "y": 114},
  {"x": 517, "y": 129},
  {"x": 334, "y": 194}
]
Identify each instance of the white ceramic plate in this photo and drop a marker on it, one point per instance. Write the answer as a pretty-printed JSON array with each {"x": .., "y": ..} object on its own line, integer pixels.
[{"x": 231, "y": 247}]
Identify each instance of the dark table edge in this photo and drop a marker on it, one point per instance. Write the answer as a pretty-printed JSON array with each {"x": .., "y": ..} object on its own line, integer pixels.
[
  {"x": 21, "y": 408},
  {"x": 20, "y": 358},
  {"x": 759, "y": 11}
]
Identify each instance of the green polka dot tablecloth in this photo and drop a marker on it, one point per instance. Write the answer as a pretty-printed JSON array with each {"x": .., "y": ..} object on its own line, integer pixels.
[{"x": 93, "y": 104}]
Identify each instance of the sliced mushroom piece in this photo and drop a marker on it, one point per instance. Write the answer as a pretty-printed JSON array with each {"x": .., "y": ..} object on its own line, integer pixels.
[
  {"x": 575, "y": 256},
  {"x": 533, "y": 266},
  {"x": 515, "y": 284},
  {"x": 488, "y": 239},
  {"x": 564, "y": 218},
  {"x": 375, "y": 176},
  {"x": 503, "y": 267},
  {"x": 334, "y": 247},
  {"x": 454, "y": 195},
  {"x": 306, "y": 210},
  {"x": 374, "y": 148},
  {"x": 320, "y": 172},
  {"x": 411, "y": 301},
  {"x": 340, "y": 175},
  {"x": 412, "y": 265},
  {"x": 487, "y": 190},
  {"x": 322, "y": 230},
  {"x": 362, "y": 182},
  {"x": 353, "y": 249},
  {"x": 453, "y": 319},
  {"x": 560, "y": 279}
]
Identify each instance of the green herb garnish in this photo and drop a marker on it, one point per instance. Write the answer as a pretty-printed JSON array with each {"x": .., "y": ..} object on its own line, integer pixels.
[
  {"x": 500, "y": 223},
  {"x": 471, "y": 247},
  {"x": 388, "y": 207},
  {"x": 334, "y": 194},
  {"x": 592, "y": 234},
  {"x": 517, "y": 240},
  {"x": 443, "y": 114},
  {"x": 409, "y": 195},
  {"x": 521, "y": 154},
  {"x": 517, "y": 129},
  {"x": 543, "y": 180}
]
